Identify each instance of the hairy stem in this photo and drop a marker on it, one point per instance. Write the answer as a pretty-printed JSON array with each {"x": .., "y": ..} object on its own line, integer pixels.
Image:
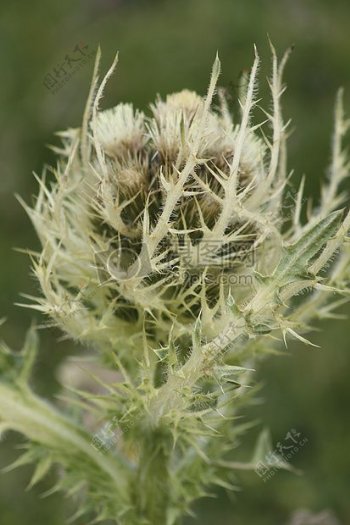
[{"x": 152, "y": 483}]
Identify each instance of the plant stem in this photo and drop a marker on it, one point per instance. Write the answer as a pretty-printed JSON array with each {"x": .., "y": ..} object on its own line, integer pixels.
[{"x": 152, "y": 490}]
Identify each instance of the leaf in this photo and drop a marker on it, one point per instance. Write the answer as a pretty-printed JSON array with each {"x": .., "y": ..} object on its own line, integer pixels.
[
  {"x": 298, "y": 256},
  {"x": 40, "y": 472},
  {"x": 25, "y": 459},
  {"x": 29, "y": 353},
  {"x": 230, "y": 373},
  {"x": 263, "y": 446}
]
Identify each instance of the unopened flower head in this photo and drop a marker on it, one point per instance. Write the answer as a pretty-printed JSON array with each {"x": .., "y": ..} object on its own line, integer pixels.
[{"x": 158, "y": 219}]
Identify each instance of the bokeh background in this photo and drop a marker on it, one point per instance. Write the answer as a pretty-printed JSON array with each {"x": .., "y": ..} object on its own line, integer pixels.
[{"x": 166, "y": 45}]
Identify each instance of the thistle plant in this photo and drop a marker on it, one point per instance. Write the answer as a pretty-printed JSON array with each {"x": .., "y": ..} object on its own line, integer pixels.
[{"x": 168, "y": 252}]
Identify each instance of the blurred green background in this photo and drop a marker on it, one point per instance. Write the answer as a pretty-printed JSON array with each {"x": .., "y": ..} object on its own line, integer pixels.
[{"x": 165, "y": 46}]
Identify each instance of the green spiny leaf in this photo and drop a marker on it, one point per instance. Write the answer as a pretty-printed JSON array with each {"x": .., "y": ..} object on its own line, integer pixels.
[
  {"x": 298, "y": 256},
  {"x": 41, "y": 470}
]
